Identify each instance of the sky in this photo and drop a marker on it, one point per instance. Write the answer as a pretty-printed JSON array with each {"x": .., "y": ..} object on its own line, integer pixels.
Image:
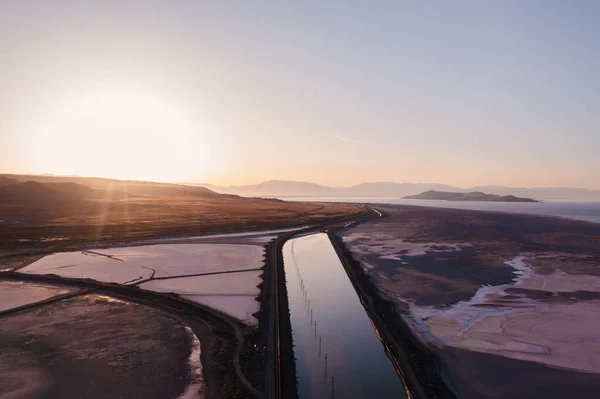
[{"x": 339, "y": 92}]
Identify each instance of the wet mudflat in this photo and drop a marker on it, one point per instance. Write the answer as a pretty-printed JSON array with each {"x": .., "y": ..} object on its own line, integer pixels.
[
  {"x": 15, "y": 294},
  {"x": 338, "y": 353},
  {"x": 507, "y": 303},
  {"x": 95, "y": 347}
]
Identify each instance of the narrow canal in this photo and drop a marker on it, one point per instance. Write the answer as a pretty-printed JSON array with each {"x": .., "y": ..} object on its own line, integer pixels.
[{"x": 338, "y": 353}]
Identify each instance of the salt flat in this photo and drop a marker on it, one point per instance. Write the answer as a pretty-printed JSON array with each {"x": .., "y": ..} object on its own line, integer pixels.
[
  {"x": 83, "y": 264},
  {"x": 233, "y": 293},
  {"x": 243, "y": 283},
  {"x": 522, "y": 327},
  {"x": 130, "y": 264},
  {"x": 15, "y": 294},
  {"x": 179, "y": 259},
  {"x": 240, "y": 307},
  {"x": 388, "y": 246}
]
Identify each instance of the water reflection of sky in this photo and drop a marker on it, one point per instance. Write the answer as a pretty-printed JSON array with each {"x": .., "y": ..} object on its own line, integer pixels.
[{"x": 329, "y": 320}]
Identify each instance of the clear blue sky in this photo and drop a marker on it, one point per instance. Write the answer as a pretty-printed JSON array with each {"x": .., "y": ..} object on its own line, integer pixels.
[{"x": 462, "y": 92}]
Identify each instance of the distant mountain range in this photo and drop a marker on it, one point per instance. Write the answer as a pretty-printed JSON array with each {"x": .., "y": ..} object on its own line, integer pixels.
[
  {"x": 472, "y": 196},
  {"x": 282, "y": 188},
  {"x": 30, "y": 187}
]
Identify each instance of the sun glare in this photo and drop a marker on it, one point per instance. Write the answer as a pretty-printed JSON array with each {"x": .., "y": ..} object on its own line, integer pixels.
[{"x": 121, "y": 132}]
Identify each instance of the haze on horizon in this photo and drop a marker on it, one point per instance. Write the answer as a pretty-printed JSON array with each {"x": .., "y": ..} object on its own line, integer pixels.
[{"x": 465, "y": 93}]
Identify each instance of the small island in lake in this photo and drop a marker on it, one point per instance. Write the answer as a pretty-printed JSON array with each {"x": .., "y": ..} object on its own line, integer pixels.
[{"x": 472, "y": 196}]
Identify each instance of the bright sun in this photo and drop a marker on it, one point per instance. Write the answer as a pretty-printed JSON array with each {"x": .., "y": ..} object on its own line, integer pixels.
[{"x": 120, "y": 132}]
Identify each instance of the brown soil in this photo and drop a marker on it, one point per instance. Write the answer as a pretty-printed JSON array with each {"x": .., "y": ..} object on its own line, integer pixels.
[{"x": 132, "y": 210}]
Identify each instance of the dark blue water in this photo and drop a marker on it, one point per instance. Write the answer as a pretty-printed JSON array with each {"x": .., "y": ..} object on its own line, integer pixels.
[
  {"x": 336, "y": 347},
  {"x": 589, "y": 211}
]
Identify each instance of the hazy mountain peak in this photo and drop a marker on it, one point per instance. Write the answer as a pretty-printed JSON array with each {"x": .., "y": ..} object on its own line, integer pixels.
[{"x": 390, "y": 189}]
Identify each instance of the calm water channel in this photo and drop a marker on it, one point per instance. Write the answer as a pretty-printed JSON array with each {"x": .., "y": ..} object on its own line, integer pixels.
[{"x": 338, "y": 353}]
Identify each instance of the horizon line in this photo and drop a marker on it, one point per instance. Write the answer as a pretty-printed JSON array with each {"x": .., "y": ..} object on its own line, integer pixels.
[{"x": 175, "y": 182}]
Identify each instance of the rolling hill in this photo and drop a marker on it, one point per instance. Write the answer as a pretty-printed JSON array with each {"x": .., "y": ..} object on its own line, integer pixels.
[
  {"x": 31, "y": 192},
  {"x": 117, "y": 188},
  {"x": 72, "y": 210}
]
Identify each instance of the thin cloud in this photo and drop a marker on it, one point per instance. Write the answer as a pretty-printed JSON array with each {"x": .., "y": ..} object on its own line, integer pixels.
[{"x": 344, "y": 138}]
